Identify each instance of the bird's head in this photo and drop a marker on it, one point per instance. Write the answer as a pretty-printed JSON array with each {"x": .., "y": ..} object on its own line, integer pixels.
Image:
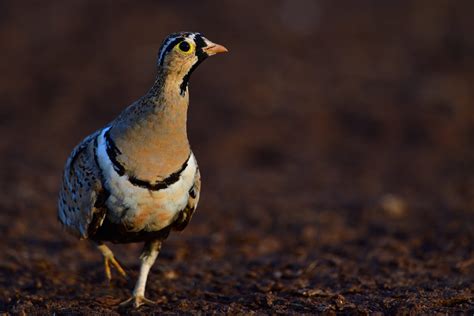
[{"x": 181, "y": 53}]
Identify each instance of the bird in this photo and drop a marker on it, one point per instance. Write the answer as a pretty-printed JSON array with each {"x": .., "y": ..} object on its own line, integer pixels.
[{"x": 137, "y": 179}]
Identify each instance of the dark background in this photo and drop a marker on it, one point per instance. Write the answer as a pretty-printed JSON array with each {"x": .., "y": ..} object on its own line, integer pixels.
[{"x": 335, "y": 143}]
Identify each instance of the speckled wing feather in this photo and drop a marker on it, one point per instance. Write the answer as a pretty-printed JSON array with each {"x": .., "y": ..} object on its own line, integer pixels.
[
  {"x": 82, "y": 193},
  {"x": 185, "y": 215}
]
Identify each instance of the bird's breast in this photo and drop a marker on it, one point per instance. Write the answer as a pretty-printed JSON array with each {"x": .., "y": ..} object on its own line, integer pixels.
[{"x": 140, "y": 208}]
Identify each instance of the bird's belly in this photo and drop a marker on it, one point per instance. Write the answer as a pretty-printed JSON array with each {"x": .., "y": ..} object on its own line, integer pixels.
[{"x": 143, "y": 209}]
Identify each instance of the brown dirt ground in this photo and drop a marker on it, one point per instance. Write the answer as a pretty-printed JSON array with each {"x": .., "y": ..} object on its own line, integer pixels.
[{"x": 335, "y": 142}]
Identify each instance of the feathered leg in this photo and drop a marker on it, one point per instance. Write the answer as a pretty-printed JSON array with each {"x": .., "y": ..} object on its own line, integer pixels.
[
  {"x": 109, "y": 258},
  {"x": 148, "y": 257}
]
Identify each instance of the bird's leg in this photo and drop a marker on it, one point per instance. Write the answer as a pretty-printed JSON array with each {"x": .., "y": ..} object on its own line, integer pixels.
[
  {"x": 148, "y": 257},
  {"x": 109, "y": 258}
]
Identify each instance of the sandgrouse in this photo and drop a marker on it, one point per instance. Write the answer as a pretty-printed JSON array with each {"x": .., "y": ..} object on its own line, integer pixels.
[{"x": 136, "y": 179}]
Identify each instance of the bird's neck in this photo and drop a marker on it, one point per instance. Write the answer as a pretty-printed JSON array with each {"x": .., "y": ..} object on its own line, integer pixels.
[{"x": 151, "y": 133}]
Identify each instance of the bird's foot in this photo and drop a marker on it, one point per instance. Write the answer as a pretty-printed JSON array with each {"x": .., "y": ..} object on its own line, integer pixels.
[
  {"x": 110, "y": 260},
  {"x": 137, "y": 301}
]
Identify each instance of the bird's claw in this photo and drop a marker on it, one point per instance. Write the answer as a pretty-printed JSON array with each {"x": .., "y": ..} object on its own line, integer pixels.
[
  {"x": 111, "y": 260},
  {"x": 137, "y": 301}
]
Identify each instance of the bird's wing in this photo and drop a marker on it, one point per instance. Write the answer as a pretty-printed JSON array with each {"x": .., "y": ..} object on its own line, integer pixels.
[
  {"x": 82, "y": 195},
  {"x": 185, "y": 215}
]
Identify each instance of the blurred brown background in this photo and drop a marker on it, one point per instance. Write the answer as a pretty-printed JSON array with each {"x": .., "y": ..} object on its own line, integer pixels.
[{"x": 335, "y": 142}]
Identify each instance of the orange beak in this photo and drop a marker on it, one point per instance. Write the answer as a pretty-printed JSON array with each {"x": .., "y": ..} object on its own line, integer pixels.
[{"x": 213, "y": 48}]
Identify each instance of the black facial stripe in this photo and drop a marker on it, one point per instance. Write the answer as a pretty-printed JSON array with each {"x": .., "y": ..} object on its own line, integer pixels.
[
  {"x": 200, "y": 43},
  {"x": 201, "y": 55},
  {"x": 184, "y": 83}
]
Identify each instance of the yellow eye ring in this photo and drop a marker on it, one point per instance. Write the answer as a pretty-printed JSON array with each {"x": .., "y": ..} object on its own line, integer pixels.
[{"x": 185, "y": 47}]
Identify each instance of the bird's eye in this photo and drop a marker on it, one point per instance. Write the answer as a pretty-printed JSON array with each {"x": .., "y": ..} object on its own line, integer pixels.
[{"x": 184, "y": 46}]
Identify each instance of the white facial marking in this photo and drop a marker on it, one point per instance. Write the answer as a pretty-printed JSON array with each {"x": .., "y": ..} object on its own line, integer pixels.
[
  {"x": 164, "y": 48},
  {"x": 208, "y": 42}
]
